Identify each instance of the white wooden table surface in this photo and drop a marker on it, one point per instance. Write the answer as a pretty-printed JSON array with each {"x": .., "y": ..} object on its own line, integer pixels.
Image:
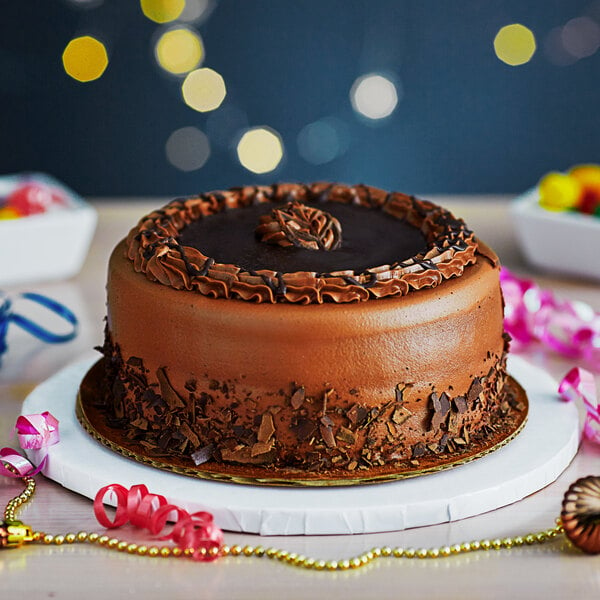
[{"x": 549, "y": 571}]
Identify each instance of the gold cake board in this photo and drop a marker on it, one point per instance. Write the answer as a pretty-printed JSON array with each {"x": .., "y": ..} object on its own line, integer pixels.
[
  {"x": 532, "y": 460},
  {"x": 94, "y": 422}
]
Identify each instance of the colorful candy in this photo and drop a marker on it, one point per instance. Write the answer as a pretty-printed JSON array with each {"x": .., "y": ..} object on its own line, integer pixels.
[{"x": 578, "y": 190}]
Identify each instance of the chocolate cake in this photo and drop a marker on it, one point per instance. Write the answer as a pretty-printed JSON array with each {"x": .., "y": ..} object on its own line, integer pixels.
[{"x": 304, "y": 333}]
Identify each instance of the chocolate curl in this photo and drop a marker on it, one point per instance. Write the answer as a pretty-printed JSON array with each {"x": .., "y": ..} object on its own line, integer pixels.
[
  {"x": 152, "y": 512},
  {"x": 579, "y": 384},
  {"x": 532, "y": 314}
]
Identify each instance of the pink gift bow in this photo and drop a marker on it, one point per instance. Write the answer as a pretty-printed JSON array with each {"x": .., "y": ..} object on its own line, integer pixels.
[
  {"x": 532, "y": 314},
  {"x": 579, "y": 384},
  {"x": 34, "y": 432}
]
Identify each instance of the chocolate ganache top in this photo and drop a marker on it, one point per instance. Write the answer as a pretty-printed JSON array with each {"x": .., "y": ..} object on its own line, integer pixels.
[{"x": 298, "y": 243}]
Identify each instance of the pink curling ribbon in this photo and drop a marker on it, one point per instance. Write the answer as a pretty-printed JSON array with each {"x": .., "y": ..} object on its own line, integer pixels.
[
  {"x": 532, "y": 314},
  {"x": 579, "y": 384},
  {"x": 34, "y": 432},
  {"x": 152, "y": 511},
  {"x": 16, "y": 461},
  {"x": 37, "y": 431}
]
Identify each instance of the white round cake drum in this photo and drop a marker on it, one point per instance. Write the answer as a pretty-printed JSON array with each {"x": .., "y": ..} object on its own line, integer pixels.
[{"x": 534, "y": 459}]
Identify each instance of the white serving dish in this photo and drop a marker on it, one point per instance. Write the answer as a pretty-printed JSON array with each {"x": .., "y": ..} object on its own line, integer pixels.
[
  {"x": 560, "y": 242},
  {"x": 47, "y": 246}
]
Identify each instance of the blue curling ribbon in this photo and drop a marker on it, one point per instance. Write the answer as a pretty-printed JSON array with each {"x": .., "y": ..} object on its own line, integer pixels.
[{"x": 7, "y": 317}]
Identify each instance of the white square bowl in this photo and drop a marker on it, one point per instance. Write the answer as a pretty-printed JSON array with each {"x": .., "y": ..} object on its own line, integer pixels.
[
  {"x": 558, "y": 242},
  {"x": 46, "y": 246}
]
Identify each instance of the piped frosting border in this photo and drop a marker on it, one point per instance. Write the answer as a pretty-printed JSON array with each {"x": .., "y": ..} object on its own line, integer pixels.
[{"x": 154, "y": 249}]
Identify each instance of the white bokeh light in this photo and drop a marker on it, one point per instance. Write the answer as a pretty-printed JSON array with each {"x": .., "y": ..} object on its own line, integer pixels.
[
  {"x": 86, "y": 3},
  {"x": 581, "y": 37},
  {"x": 197, "y": 11},
  {"x": 374, "y": 96},
  {"x": 187, "y": 149}
]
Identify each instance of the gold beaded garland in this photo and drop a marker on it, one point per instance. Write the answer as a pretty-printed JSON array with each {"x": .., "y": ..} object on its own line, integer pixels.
[{"x": 291, "y": 558}]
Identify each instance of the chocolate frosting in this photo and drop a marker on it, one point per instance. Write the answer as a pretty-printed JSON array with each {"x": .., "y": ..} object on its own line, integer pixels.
[
  {"x": 300, "y": 225},
  {"x": 156, "y": 249}
]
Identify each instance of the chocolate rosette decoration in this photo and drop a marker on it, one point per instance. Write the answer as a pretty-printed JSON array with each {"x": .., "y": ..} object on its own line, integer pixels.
[
  {"x": 297, "y": 224},
  {"x": 581, "y": 514}
]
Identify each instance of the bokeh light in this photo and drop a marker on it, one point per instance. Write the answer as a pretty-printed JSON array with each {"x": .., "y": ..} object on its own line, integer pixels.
[
  {"x": 197, "y": 11},
  {"x": 555, "y": 51},
  {"x": 179, "y": 50},
  {"x": 374, "y": 96},
  {"x": 514, "y": 44},
  {"x": 162, "y": 11},
  {"x": 260, "y": 150},
  {"x": 85, "y": 58},
  {"x": 322, "y": 141},
  {"x": 187, "y": 149},
  {"x": 86, "y": 3},
  {"x": 204, "y": 90},
  {"x": 581, "y": 37}
]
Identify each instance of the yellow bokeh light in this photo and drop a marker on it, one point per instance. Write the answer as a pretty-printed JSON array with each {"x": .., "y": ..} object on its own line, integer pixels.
[
  {"x": 179, "y": 50},
  {"x": 260, "y": 150},
  {"x": 514, "y": 44},
  {"x": 162, "y": 11},
  {"x": 203, "y": 90},
  {"x": 85, "y": 58}
]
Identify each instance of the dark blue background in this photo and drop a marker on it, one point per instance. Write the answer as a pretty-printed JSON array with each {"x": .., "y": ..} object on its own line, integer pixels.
[{"x": 466, "y": 122}]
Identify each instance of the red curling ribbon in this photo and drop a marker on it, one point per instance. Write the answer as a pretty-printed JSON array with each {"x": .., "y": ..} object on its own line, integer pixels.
[
  {"x": 532, "y": 314},
  {"x": 152, "y": 512},
  {"x": 579, "y": 384}
]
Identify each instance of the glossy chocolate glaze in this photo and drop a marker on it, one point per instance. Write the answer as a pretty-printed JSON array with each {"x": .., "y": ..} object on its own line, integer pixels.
[{"x": 369, "y": 237}]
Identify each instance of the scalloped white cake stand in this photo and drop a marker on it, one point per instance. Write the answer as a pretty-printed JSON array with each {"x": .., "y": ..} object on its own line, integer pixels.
[{"x": 534, "y": 459}]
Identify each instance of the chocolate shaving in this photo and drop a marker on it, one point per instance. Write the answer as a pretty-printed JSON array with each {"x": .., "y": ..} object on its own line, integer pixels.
[
  {"x": 140, "y": 423},
  {"x": 346, "y": 436},
  {"x": 327, "y": 421},
  {"x": 303, "y": 429},
  {"x": 297, "y": 399},
  {"x": 266, "y": 429},
  {"x": 357, "y": 414},
  {"x": 401, "y": 415},
  {"x": 474, "y": 391},
  {"x": 418, "y": 450},
  {"x": 325, "y": 400},
  {"x": 135, "y": 362},
  {"x": 244, "y": 456},
  {"x": 169, "y": 395},
  {"x": 400, "y": 393},
  {"x": 203, "y": 454},
  {"x": 461, "y": 404},
  {"x": 186, "y": 431},
  {"x": 327, "y": 435},
  {"x": 261, "y": 448},
  {"x": 443, "y": 442},
  {"x": 441, "y": 407}
]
